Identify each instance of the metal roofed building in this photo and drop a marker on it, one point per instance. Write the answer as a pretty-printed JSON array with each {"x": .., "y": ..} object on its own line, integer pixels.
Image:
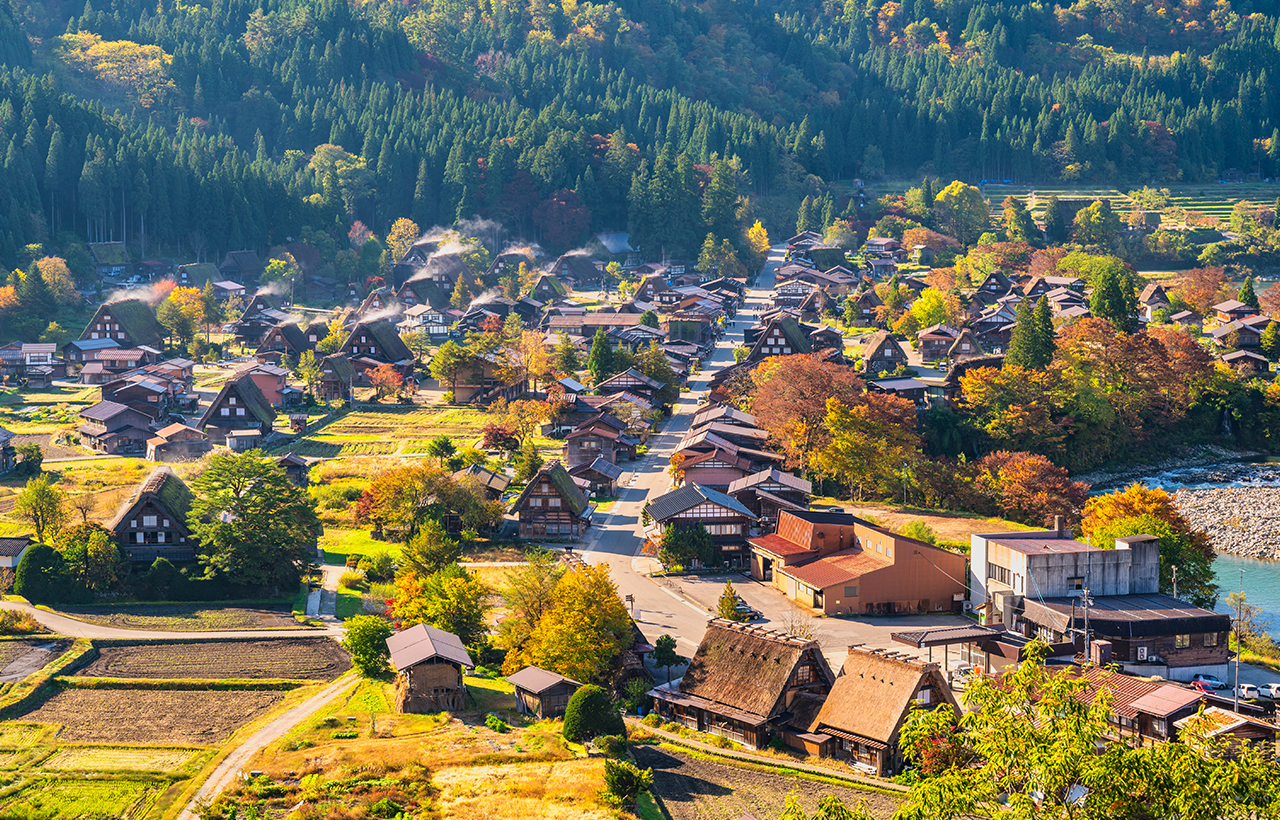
[{"x": 428, "y": 664}]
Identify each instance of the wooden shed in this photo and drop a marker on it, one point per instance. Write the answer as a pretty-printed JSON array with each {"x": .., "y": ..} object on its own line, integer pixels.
[
  {"x": 542, "y": 693},
  {"x": 429, "y": 664}
]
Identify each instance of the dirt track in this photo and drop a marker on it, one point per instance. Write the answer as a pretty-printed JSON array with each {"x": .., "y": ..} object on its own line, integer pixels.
[{"x": 693, "y": 789}]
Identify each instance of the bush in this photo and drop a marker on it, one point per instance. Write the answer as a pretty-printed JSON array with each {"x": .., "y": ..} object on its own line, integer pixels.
[
  {"x": 625, "y": 782},
  {"x": 613, "y": 746},
  {"x": 351, "y": 580},
  {"x": 378, "y": 566},
  {"x": 777, "y": 743},
  {"x": 366, "y": 640},
  {"x": 344, "y": 734},
  {"x": 42, "y": 578},
  {"x": 386, "y": 808},
  {"x": 720, "y": 742},
  {"x": 653, "y": 720},
  {"x": 591, "y": 713},
  {"x": 920, "y": 531},
  {"x": 13, "y": 622},
  {"x": 496, "y": 723}
]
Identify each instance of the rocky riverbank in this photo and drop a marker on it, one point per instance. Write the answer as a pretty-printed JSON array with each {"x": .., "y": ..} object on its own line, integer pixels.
[
  {"x": 1238, "y": 520},
  {"x": 1179, "y": 460}
]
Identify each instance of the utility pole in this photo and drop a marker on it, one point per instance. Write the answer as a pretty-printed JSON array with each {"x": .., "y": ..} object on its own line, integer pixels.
[
  {"x": 1239, "y": 616},
  {"x": 904, "y": 483},
  {"x": 1175, "y": 580}
]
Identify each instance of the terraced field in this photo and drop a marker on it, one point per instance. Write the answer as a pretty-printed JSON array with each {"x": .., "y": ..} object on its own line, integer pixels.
[
  {"x": 1210, "y": 199},
  {"x": 118, "y": 759},
  {"x": 289, "y": 658},
  {"x": 147, "y": 716}
]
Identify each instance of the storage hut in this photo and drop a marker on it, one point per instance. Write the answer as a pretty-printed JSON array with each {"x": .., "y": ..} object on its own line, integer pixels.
[
  {"x": 542, "y": 693},
  {"x": 428, "y": 663}
]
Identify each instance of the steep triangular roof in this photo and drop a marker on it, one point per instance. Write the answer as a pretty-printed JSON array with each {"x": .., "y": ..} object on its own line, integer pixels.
[
  {"x": 419, "y": 643},
  {"x": 391, "y": 348},
  {"x": 874, "y": 693},
  {"x": 428, "y": 292},
  {"x": 560, "y": 479},
  {"x": 342, "y": 367},
  {"x": 136, "y": 318},
  {"x": 170, "y": 493},
  {"x": 248, "y": 392}
]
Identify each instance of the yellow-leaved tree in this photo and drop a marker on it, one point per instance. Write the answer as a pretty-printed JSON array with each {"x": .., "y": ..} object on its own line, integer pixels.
[{"x": 584, "y": 630}]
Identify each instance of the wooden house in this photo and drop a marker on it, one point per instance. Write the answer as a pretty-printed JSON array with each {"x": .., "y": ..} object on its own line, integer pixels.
[
  {"x": 263, "y": 312},
  {"x": 12, "y": 548},
  {"x": 746, "y": 683},
  {"x": 548, "y": 289},
  {"x": 722, "y": 414},
  {"x": 371, "y": 344},
  {"x": 1231, "y": 730},
  {"x": 493, "y": 484},
  {"x": 869, "y": 702},
  {"x": 130, "y": 322},
  {"x": 238, "y": 407},
  {"x": 781, "y": 336},
  {"x": 109, "y": 258},
  {"x": 994, "y": 283},
  {"x": 935, "y": 341},
  {"x": 552, "y": 505},
  {"x": 541, "y": 693},
  {"x": 651, "y": 287},
  {"x": 434, "y": 321},
  {"x": 601, "y": 476},
  {"x": 882, "y": 354},
  {"x": 575, "y": 270},
  {"x": 965, "y": 346},
  {"x": 717, "y": 468},
  {"x": 296, "y": 468},
  {"x": 770, "y": 491},
  {"x": 152, "y": 523},
  {"x": 724, "y": 518},
  {"x": 422, "y": 292},
  {"x": 177, "y": 442},
  {"x": 1153, "y": 298},
  {"x": 1237, "y": 335},
  {"x": 429, "y": 664},
  {"x": 913, "y": 390},
  {"x": 111, "y": 427},
  {"x": 1232, "y": 310},
  {"x": 632, "y": 380},
  {"x": 1247, "y": 363},
  {"x": 336, "y": 378},
  {"x": 287, "y": 339},
  {"x": 241, "y": 266}
]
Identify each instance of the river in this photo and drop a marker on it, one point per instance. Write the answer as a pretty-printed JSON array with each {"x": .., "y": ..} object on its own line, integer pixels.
[{"x": 1259, "y": 579}]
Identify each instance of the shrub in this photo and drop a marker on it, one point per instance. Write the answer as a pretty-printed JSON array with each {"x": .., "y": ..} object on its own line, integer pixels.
[
  {"x": 13, "y": 622},
  {"x": 653, "y": 720},
  {"x": 366, "y": 640},
  {"x": 591, "y": 713},
  {"x": 613, "y": 746},
  {"x": 777, "y": 743},
  {"x": 42, "y": 578},
  {"x": 625, "y": 782},
  {"x": 386, "y": 808},
  {"x": 721, "y": 742},
  {"x": 671, "y": 726},
  {"x": 351, "y": 580},
  {"x": 378, "y": 566},
  {"x": 496, "y": 723},
  {"x": 344, "y": 734},
  {"x": 920, "y": 531}
]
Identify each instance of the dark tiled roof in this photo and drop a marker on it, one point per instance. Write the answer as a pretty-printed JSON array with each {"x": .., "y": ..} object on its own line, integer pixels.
[
  {"x": 13, "y": 547},
  {"x": 103, "y": 411},
  {"x": 689, "y": 496},
  {"x": 533, "y": 679}
]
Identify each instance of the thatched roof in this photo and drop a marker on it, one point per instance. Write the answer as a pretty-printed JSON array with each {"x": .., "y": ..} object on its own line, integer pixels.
[
  {"x": 874, "y": 693},
  {"x": 746, "y": 667},
  {"x": 136, "y": 318},
  {"x": 168, "y": 491},
  {"x": 555, "y": 472},
  {"x": 249, "y": 395}
]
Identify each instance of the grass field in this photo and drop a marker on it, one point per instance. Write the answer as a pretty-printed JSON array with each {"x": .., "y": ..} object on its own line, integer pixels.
[
  {"x": 1210, "y": 199},
  {"x": 115, "y": 759},
  {"x": 285, "y": 658},
  {"x": 339, "y": 542},
  {"x": 87, "y": 799}
]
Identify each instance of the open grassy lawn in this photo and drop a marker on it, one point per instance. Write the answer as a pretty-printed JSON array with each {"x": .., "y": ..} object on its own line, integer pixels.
[
  {"x": 390, "y": 431},
  {"x": 339, "y": 542}
]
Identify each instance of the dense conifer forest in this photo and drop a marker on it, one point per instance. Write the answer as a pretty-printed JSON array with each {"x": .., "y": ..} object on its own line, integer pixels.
[{"x": 209, "y": 126}]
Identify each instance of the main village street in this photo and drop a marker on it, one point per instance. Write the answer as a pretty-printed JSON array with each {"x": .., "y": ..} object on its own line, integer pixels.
[{"x": 681, "y": 606}]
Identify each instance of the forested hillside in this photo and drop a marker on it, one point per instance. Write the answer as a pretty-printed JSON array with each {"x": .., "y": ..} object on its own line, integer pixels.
[{"x": 196, "y": 126}]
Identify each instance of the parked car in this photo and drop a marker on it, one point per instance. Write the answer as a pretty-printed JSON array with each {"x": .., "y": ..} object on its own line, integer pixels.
[
  {"x": 1270, "y": 690},
  {"x": 745, "y": 611},
  {"x": 961, "y": 674},
  {"x": 1247, "y": 691},
  {"x": 1211, "y": 681},
  {"x": 1203, "y": 688}
]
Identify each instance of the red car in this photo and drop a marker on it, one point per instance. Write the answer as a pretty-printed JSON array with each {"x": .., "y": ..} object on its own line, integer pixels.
[{"x": 1201, "y": 686}]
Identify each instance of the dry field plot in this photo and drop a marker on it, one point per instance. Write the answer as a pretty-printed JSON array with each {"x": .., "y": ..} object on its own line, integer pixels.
[
  {"x": 186, "y": 617},
  {"x": 104, "y": 759},
  {"x": 553, "y": 791},
  {"x": 10, "y": 651},
  {"x": 151, "y": 716},
  {"x": 291, "y": 658},
  {"x": 693, "y": 789}
]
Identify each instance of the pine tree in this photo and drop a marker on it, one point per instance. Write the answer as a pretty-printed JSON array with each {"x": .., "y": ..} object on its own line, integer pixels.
[
  {"x": 1055, "y": 224},
  {"x": 926, "y": 189},
  {"x": 802, "y": 216},
  {"x": 34, "y": 296},
  {"x": 566, "y": 356},
  {"x": 1271, "y": 341},
  {"x": 727, "y": 607},
  {"x": 1113, "y": 300},
  {"x": 1025, "y": 341},
  {"x": 600, "y": 360},
  {"x": 1045, "y": 344},
  {"x": 461, "y": 292},
  {"x": 1247, "y": 294}
]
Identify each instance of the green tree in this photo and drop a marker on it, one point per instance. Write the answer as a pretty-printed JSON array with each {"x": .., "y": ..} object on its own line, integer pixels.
[
  {"x": 683, "y": 545},
  {"x": 430, "y": 549},
  {"x": 727, "y": 607},
  {"x": 649, "y": 319},
  {"x": 41, "y": 504},
  {"x": 665, "y": 655},
  {"x": 1055, "y": 221},
  {"x": 528, "y": 595},
  {"x": 625, "y": 782},
  {"x": 451, "y": 599},
  {"x": 309, "y": 371},
  {"x": 30, "y": 459},
  {"x": 42, "y": 576},
  {"x": 528, "y": 462},
  {"x": 175, "y": 322},
  {"x": 94, "y": 559},
  {"x": 1018, "y": 225},
  {"x": 35, "y": 297},
  {"x": 1113, "y": 299},
  {"x": 1035, "y": 743},
  {"x": 591, "y": 714},
  {"x": 720, "y": 200},
  {"x": 566, "y": 356},
  {"x": 600, "y": 359},
  {"x": 450, "y": 362},
  {"x": 1028, "y": 346},
  {"x": 1271, "y": 341},
  {"x": 1247, "y": 294},
  {"x": 1046, "y": 343},
  {"x": 213, "y": 308},
  {"x": 366, "y": 641},
  {"x": 253, "y": 525},
  {"x": 1097, "y": 225},
  {"x": 962, "y": 211},
  {"x": 441, "y": 447},
  {"x": 332, "y": 342}
]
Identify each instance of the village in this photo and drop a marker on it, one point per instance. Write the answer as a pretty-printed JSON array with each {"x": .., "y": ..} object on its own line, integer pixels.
[{"x": 517, "y": 487}]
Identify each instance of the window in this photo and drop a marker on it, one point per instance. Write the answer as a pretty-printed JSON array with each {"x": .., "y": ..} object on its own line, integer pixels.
[
  {"x": 1181, "y": 641},
  {"x": 239, "y": 411},
  {"x": 924, "y": 696},
  {"x": 851, "y": 592},
  {"x": 225, "y": 411},
  {"x": 231, "y": 399},
  {"x": 553, "y": 502},
  {"x": 804, "y": 674},
  {"x": 998, "y": 573},
  {"x": 535, "y": 502},
  {"x": 1211, "y": 639},
  {"x": 160, "y": 537},
  {"x": 590, "y": 444},
  {"x": 1075, "y": 583},
  {"x": 148, "y": 520}
]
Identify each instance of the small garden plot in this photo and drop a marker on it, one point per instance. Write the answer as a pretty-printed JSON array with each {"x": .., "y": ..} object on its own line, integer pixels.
[
  {"x": 151, "y": 716},
  {"x": 187, "y": 617},
  {"x": 108, "y": 759},
  {"x": 18, "y": 735},
  {"x": 80, "y": 799},
  {"x": 284, "y": 658}
]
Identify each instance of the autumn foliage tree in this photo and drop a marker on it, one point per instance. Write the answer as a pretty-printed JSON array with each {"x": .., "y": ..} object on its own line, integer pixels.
[
  {"x": 386, "y": 380},
  {"x": 1029, "y": 488},
  {"x": 583, "y": 630},
  {"x": 790, "y": 402}
]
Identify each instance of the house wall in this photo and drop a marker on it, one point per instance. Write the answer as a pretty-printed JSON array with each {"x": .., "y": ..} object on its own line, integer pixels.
[
  {"x": 1121, "y": 571},
  {"x": 431, "y": 686},
  {"x": 586, "y": 448},
  {"x": 148, "y": 533},
  {"x": 545, "y": 513}
]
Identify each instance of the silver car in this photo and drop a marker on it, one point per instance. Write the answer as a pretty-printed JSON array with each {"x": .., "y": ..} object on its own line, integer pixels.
[{"x": 1270, "y": 690}]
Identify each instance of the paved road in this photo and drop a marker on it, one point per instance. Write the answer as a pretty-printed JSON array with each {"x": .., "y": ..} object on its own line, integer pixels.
[{"x": 681, "y": 606}]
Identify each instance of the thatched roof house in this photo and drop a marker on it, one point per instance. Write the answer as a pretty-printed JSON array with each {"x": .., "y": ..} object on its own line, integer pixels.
[
  {"x": 152, "y": 523},
  {"x": 869, "y": 703},
  {"x": 744, "y": 682}
]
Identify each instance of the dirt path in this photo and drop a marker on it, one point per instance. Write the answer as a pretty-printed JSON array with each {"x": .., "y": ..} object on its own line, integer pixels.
[
  {"x": 235, "y": 762},
  {"x": 692, "y": 789},
  {"x": 28, "y": 662}
]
